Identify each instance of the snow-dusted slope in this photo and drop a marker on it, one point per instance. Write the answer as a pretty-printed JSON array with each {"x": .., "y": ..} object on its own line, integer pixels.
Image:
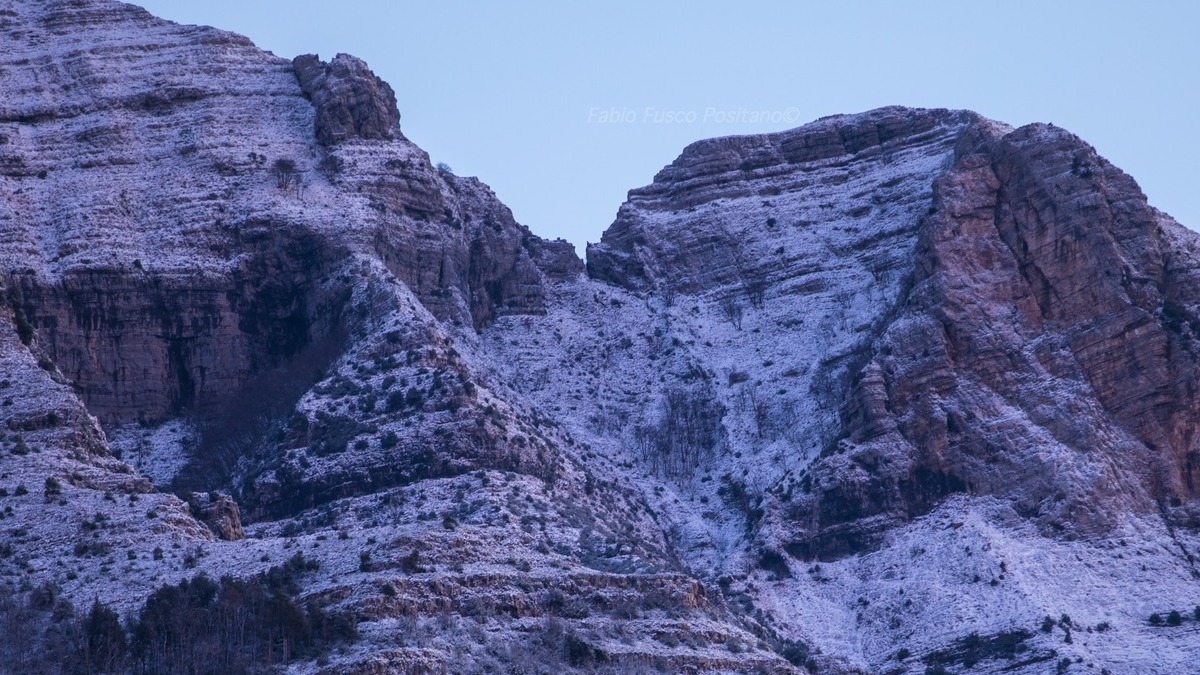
[
  {"x": 762, "y": 289},
  {"x": 878, "y": 394},
  {"x": 881, "y": 321},
  {"x": 248, "y": 309}
]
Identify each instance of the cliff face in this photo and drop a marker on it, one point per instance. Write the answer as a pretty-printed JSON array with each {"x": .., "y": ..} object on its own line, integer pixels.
[
  {"x": 908, "y": 323},
  {"x": 240, "y": 269},
  {"x": 1041, "y": 355},
  {"x": 796, "y": 179},
  {"x": 144, "y": 346},
  {"x": 123, "y": 172},
  {"x": 870, "y": 387},
  {"x": 1022, "y": 333}
]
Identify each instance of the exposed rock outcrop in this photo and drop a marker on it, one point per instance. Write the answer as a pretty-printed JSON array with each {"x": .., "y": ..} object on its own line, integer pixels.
[
  {"x": 221, "y": 514},
  {"x": 351, "y": 102},
  {"x": 682, "y": 230},
  {"x": 1038, "y": 356},
  {"x": 142, "y": 345},
  {"x": 1030, "y": 285},
  {"x": 456, "y": 236}
]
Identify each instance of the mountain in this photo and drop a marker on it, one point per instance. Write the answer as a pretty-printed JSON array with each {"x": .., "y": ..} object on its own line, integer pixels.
[{"x": 904, "y": 391}]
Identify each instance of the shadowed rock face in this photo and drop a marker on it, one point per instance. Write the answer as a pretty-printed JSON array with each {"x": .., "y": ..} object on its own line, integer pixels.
[
  {"x": 144, "y": 346},
  {"x": 459, "y": 248},
  {"x": 351, "y": 101},
  {"x": 162, "y": 268}
]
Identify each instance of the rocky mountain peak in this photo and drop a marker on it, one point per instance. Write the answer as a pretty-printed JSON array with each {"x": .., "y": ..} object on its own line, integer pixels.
[
  {"x": 828, "y": 138},
  {"x": 766, "y": 165},
  {"x": 898, "y": 391}
]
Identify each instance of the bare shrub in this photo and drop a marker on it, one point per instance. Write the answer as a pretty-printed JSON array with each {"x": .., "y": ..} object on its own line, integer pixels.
[
  {"x": 732, "y": 309},
  {"x": 287, "y": 175},
  {"x": 687, "y": 431}
]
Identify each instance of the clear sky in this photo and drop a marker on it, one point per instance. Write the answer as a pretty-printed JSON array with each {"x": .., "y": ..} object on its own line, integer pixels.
[{"x": 563, "y": 106}]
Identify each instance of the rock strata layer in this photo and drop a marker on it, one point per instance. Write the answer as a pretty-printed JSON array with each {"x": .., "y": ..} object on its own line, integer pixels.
[{"x": 858, "y": 397}]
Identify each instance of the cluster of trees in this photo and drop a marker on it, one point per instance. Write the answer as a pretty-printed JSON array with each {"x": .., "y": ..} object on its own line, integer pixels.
[
  {"x": 1173, "y": 618},
  {"x": 199, "y": 626},
  {"x": 688, "y": 431}
]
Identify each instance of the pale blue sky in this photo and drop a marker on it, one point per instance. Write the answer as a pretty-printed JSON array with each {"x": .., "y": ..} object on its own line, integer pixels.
[{"x": 514, "y": 92}]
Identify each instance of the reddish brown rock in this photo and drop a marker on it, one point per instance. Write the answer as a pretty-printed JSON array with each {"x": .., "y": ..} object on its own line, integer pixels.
[
  {"x": 1042, "y": 355},
  {"x": 221, "y": 514}
]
